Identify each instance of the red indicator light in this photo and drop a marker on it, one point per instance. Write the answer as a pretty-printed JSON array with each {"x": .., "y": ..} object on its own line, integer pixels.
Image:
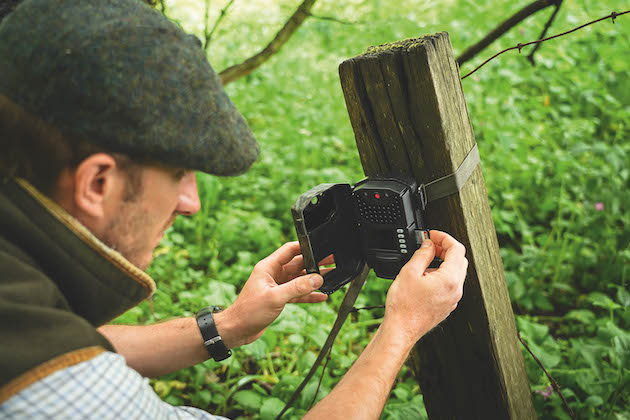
[{"x": 377, "y": 196}]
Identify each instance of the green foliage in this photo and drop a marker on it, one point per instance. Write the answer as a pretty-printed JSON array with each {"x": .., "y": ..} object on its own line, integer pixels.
[{"x": 555, "y": 153}]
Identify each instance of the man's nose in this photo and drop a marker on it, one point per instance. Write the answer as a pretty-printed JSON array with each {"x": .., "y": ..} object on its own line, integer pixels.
[{"x": 188, "y": 203}]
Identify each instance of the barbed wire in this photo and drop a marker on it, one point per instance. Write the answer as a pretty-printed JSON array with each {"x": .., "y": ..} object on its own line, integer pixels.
[
  {"x": 554, "y": 384},
  {"x": 520, "y": 46}
]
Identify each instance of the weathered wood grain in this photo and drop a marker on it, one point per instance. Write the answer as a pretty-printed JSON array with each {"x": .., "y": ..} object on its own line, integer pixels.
[{"x": 409, "y": 116}]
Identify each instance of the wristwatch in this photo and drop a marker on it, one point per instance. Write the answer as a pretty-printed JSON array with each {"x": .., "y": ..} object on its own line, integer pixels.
[{"x": 211, "y": 338}]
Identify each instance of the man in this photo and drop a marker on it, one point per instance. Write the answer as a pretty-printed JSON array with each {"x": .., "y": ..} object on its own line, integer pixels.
[{"x": 106, "y": 110}]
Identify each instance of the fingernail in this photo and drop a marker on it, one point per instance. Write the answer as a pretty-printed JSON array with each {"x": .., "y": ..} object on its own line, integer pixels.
[
  {"x": 314, "y": 281},
  {"x": 427, "y": 243}
]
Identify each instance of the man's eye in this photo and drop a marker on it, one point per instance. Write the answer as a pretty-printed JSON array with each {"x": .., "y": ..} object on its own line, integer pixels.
[{"x": 180, "y": 174}]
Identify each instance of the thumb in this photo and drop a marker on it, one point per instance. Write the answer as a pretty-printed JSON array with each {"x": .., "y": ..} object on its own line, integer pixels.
[
  {"x": 299, "y": 286},
  {"x": 421, "y": 259}
]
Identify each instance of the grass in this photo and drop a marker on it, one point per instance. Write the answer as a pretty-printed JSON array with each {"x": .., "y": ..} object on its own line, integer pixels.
[{"x": 554, "y": 143}]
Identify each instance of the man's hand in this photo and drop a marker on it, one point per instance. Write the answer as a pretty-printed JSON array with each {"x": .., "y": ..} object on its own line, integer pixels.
[
  {"x": 275, "y": 281},
  {"x": 421, "y": 298},
  {"x": 417, "y": 300}
]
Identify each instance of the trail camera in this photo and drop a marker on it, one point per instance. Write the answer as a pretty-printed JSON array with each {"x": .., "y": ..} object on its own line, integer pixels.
[{"x": 378, "y": 222}]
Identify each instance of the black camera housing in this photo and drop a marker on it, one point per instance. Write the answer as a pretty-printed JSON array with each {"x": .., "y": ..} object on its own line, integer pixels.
[{"x": 379, "y": 222}]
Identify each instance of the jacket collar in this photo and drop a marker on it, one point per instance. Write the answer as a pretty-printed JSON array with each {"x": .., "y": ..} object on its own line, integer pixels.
[{"x": 98, "y": 282}]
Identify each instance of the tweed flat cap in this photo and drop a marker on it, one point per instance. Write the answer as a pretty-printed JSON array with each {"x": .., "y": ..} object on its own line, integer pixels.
[{"x": 119, "y": 74}]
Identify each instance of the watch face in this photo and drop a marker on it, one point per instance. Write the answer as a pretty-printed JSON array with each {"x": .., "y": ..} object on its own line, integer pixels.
[{"x": 216, "y": 309}]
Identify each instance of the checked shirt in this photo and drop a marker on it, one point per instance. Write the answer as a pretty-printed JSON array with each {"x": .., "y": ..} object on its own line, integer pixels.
[{"x": 103, "y": 388}]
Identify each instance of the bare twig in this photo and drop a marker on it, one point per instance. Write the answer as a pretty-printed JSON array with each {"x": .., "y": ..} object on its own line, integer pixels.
[
  {"x": 208, "y": 34},
  {"x": 530, "y": 57},
  {"x": 321, "y": 377},
  {"x": 334, "y": 19},
  {"x": 553, "y": 381},
  {"x": 344, "y": 311},
  {"x": 367, "y": 308},
  {"x": 206, "y": 15},
  {"x": 508, "y": 24},
  {"x": 520, "y": 46},
  {"x": 246, "y": 67}
]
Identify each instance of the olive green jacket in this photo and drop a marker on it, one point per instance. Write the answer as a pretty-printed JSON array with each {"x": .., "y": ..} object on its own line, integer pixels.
[{"x": 58, "y": 283}]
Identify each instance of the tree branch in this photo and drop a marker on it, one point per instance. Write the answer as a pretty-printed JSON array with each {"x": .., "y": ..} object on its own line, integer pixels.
[
  {"x": 246, "y": 67},
  {"x": 508, "y": 24},
  {"x": 334, "y": 19},
  {"x": 208, "y": 34},
  {"x": 530, "y": 57}
]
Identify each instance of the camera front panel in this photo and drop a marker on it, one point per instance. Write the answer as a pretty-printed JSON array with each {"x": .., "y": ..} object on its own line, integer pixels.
[{"x": 389, "y": 225}]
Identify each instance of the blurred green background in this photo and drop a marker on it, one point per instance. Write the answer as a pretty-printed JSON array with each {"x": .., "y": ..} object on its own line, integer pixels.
[{"x": 555, "y": 150}]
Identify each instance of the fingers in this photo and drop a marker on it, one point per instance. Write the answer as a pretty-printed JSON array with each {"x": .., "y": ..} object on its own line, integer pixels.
[
  {"x": 323, "y": 271},
  {"x": 421, "y": 258},
  {"x": 443, "y": 241},
  {"x": 314, "y": 297},
  {"x": 280, "y": 257},
  {"x": 295, "y": 267},
  {"x": 452, "y": 252},
  {"x": 285, "y": 253},
  {"x": 300, "y": 287},
  {"x": 328, "y": 260}
]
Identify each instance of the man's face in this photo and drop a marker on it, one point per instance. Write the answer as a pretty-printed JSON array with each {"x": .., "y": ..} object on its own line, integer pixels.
[{"x": 140, "y": 222}]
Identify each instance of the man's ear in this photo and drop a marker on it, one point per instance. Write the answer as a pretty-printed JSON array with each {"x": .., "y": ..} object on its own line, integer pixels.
[{"x": 97, "y": 182}]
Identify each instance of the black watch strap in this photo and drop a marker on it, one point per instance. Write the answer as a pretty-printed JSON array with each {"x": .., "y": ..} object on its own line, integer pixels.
[{"x": 211, "y": 338}]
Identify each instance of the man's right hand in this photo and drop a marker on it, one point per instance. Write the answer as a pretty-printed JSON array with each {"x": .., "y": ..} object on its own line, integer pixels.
[
  {"x": 418, "y": 300},
  {"x": 420, "y": 297}
]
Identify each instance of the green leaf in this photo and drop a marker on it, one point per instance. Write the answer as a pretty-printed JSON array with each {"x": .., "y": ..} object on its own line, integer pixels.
[
  {"x": 249, "y": 400},
  {"x": 257, "y": 349},
  {"x": 602, "y": 300},
  {"x": 202, "y": 398},
  {"x": 296, "y": 339},
  {"x": 532, "y": 330},
  {"x": 594, "y": 401},
  {"x": 622, "y": 351},
  {"x": 401, "y": 393},
  {"x": 173, "y": 400},
  {"x": 271, "y": 408},
  {"x": 312, "y": 388},
  {"x": 592, "y": 356},
  {"x": 581, "y": 315},
  {"x": 220, "y": 293},
  {"x": 548, "y": 357},
  {"x": 306, "y": 361},
  {"x": 542, "y": 301},
  {"x": 623, "y": 296},
  {"x": 286, "y": 386}
]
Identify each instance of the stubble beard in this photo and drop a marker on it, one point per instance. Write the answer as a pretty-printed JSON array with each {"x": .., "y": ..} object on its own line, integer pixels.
[{"x": 126, "y": 235}]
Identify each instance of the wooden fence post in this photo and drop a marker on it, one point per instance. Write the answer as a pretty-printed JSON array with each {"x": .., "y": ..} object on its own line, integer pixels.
[{"x": 409, "y": 116}]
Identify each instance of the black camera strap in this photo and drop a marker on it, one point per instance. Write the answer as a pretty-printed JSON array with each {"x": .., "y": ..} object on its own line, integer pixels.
[{"x": 450, "y": 184}]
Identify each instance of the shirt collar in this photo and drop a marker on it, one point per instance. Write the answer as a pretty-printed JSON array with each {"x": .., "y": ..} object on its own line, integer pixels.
[{"x": 98, "y": 282}]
